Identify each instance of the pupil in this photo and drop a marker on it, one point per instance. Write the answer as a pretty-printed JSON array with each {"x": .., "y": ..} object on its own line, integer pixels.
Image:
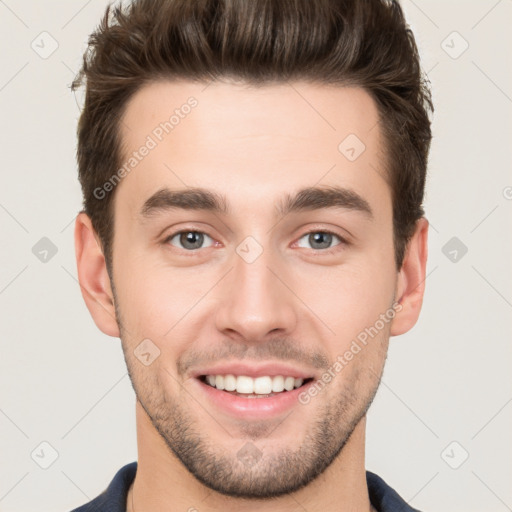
[
  {"x": 321, "y": 237},
  {"x": 188, "y": 238}
]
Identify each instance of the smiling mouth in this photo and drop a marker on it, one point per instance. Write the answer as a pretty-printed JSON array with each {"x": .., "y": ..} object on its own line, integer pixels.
[{"x": 259, "y": 387}]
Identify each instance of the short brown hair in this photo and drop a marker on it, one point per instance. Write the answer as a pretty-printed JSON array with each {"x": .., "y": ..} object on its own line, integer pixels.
[{"x": 365, "y": 43}]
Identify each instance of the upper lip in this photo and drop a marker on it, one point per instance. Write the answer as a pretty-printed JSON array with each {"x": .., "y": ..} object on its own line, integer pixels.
[{"x": 254, "y": 370}]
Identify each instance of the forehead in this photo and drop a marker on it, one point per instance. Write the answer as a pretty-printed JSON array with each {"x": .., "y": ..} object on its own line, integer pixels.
[{"x": 248, "y": 141}]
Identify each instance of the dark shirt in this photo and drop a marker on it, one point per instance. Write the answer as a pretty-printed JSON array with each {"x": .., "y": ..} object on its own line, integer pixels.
[{"x": 113, "y": 499}]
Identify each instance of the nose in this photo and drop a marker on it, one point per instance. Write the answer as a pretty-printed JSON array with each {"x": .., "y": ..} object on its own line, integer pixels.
[{"x": 255, "y": 300}]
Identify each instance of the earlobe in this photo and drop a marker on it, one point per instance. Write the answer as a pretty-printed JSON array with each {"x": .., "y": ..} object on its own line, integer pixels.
[
  {"x": 93, "y": 276},
  {"x": 411, "y": 280}
]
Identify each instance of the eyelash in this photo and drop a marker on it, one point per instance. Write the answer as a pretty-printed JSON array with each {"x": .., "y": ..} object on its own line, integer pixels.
[{"x": 330, "y": 250}]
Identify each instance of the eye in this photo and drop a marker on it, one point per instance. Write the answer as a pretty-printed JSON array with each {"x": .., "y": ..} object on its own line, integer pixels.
[
  {"x": 321, "y": 240},
  {"x": 189, "y": 240}
]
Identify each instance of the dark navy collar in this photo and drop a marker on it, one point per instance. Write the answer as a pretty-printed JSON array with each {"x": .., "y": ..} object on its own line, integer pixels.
[{"x": 113, "y": 498}]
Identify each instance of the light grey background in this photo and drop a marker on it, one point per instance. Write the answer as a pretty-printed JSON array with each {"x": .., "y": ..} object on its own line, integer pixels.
[{"x": 65, "y": 383}]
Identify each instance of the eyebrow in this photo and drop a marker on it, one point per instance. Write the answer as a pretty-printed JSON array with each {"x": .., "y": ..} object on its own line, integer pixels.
[{"x": 310, "y": 198}]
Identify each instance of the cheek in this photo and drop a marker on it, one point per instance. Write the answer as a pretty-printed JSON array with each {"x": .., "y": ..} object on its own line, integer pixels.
[
  {"x": 350, "y": 298},
  {"x": 161, "y": 303}
]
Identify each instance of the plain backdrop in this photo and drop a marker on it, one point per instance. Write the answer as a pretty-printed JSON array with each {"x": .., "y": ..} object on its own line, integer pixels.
[{"x": 439, "y": 429}]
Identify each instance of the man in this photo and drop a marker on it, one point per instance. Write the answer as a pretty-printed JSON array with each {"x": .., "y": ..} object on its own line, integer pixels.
[{"x": 253, "y": 176}]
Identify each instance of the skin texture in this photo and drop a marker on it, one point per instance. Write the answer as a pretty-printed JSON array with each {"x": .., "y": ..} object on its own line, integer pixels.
[{"x": 295, "y": 303}]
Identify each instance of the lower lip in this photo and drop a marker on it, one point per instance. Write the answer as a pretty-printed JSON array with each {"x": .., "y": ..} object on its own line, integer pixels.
[{"x": 252, "y": 408}]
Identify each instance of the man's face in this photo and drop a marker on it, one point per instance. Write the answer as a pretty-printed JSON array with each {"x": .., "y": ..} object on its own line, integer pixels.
[{"x": 253, "y": 285}]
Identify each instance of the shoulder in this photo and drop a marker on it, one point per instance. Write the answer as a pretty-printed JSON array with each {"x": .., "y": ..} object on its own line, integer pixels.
[
  {"x": 113, "y": 498},
  {"x": 383, "y": 497}
]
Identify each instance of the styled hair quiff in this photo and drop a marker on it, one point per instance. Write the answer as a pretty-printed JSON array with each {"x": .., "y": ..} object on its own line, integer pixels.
[{"x": 364, "y": 43}]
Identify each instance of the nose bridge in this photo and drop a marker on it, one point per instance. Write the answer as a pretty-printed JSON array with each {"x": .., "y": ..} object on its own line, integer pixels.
[{"x": 254, "y": 300}]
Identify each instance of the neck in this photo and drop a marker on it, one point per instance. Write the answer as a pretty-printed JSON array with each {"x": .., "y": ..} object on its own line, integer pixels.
[{"x": 162, "y": 483}]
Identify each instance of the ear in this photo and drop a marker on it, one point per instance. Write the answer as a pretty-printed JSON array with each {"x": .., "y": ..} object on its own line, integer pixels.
[
  {"x": 411, "y": 280},
  {"x": 93, "y": 276}
]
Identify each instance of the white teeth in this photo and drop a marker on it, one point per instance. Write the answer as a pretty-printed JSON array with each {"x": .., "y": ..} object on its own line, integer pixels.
[
  {"x": 260, "y": 385},
  {"x": 230, "y": 383},
  {"x": 278, "y": 384},
  {"x": 244, "y": 384},
  {"x": 219, "y": 382},
  {"x": 289, "y": 382}
]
